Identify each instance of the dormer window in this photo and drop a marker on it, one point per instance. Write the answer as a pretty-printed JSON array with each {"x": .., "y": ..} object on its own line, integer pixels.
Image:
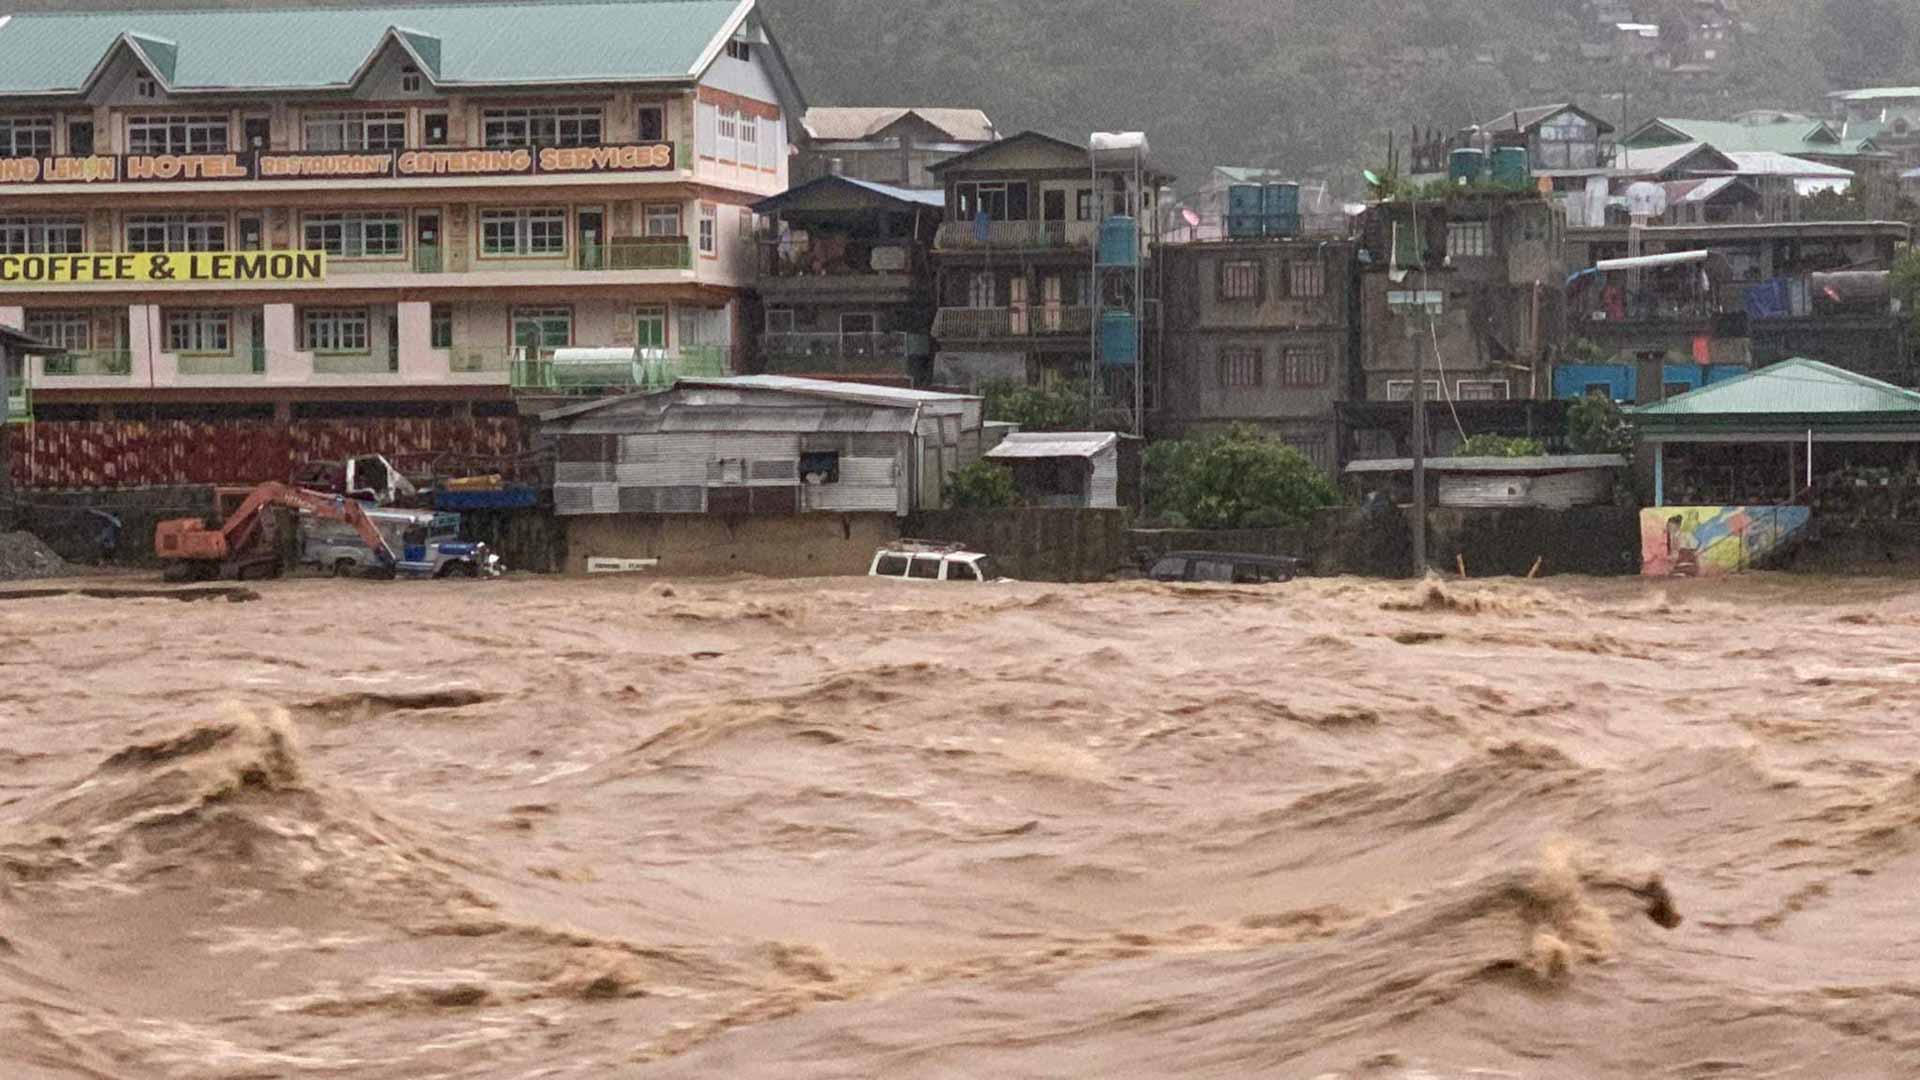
[
  {"x": 144, "y": 86},
  {"x": 738, "y": 49},
  {"x": 410, "y": 80}
]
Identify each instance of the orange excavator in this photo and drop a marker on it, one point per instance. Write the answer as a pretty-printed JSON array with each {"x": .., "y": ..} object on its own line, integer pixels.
[{"x": 243, "y": 546}]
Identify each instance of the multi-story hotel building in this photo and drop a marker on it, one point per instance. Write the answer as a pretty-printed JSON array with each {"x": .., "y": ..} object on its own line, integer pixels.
[{"x": 285, "y": 214}]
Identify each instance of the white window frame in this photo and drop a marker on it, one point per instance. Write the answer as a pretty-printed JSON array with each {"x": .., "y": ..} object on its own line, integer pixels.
[
  {"x": 658, "y": 213},
  {"x": 26, "y": 136},
  {"x": 1461, "y": 394},
  {"x": 518, "y": 316},
  {"x": 983, "y": 291},
  {"x": 42, "y": 235},
  {"x": 749, "y": 136},
  {"x": 534, "y": 232},
  {"x": 740, "y": 49},
  {"x": 176, "y": 232},
  {"x": 440, "y": 326},
  {"x": 336, "y": 331},
  {"x": 547, "y": 125},
  {"x": 650, "y": 315},
  {"x": 781, "y": 325},
  {"x": 726, "y": 140},
  {"x": 179, "y": 133},
  {"x": 359, "y": 130},
  {"x": 1402, "y": 389},
  {"x": 709, "y": 229},
  {"x": 1469, "y": 239},
  {"x": 67, "y": 329},
  {"x": 356, "y": 234},
  {"x": 205, "y": 331},
  {"x": 410, "y": 81}
]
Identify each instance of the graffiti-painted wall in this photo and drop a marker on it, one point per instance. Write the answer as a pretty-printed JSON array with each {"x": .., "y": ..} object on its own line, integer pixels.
[{"x": 1701, "y": 541}]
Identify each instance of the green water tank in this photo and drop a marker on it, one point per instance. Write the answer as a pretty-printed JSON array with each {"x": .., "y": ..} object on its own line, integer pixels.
[
  {"x": 1511, "y": 168},
  {"x": 1467, "y": 166}
]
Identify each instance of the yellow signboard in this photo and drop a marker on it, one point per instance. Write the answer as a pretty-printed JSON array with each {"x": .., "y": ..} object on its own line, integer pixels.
[{"x": 163, "y": 268}]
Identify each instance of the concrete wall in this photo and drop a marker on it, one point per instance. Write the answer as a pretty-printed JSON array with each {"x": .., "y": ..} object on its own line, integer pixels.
[
  {"x": 1346, "y": 540},
  {"x": 1035, "y": 544},
  {"x": 806, "y": 545},
  {"x": 62, "y": 520}
]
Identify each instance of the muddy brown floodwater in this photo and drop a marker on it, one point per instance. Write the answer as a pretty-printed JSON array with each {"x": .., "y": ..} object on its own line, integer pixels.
[{"x": 614, "y": 828}]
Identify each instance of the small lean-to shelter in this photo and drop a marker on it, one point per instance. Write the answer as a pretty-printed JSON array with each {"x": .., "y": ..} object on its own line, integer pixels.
[
  {"x": 1552, "y": 482},
  {"x": 1796, "y": 405},
  {"x": 1078, "y": 469}
]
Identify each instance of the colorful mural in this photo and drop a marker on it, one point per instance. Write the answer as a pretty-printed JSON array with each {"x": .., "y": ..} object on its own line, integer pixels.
[{"x": 1703, "y": 541}]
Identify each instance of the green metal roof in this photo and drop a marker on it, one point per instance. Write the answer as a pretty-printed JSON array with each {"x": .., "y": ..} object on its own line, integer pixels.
[
  {"x": 1793, "y": 395},
  {"x": 1799, "y": 138},
  {"x": 555, "y": 41}
]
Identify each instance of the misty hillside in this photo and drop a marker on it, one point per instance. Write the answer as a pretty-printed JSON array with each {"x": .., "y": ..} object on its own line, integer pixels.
[{"x": 1310, "y": 86}]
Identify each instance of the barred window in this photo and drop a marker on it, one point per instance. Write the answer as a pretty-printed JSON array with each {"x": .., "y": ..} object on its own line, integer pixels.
[
  {"x": 1402, "y": 389},
  {"x": 1240, "y": 280},
  {"x": 1468, "y": 238},
  {"x": 42, "y": 235},
  {"x": 356, "y": 234},
  {"x": 549, "y": 126},
  {"x": 199, "y": 331},
  {"x": 176, "y": 134},
  {"x": 1482, "y": 389},
  {"x": 538, "y": 231},
  {"x": 382, "y": 130},
  {"x": 70, "y": 330},
  {"x": 709, "y": 218},
  {"x": 26, "y": 137},
  {"x": 1306, "y": 279},
  {"x": 1303, "y": 367},
  {"x": 1239, "y": 366},
  {"x": 176, "y": 232},
  {"x": 334, "y": 330}
]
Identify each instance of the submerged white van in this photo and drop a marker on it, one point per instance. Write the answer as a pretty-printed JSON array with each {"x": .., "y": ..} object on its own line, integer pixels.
[{"x": 922, "y": 560}]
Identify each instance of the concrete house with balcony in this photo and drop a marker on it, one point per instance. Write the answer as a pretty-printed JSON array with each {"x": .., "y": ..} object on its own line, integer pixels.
[
  {"x": 891, "y": 146},
  {"x": 1263, "y": 332},
  {"x": 845, "y": 281},
  {"x": 1014, "y": 260},
  {"x": 462, "y": 190}
]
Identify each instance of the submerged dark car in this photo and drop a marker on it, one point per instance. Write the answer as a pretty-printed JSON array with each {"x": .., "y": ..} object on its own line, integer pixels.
[{"x": 1222, "y": 566}]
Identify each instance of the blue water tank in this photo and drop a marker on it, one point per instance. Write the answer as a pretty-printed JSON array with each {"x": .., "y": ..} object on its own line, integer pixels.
[
  {"x": 1246, "y": 204},
  {"x": 1467, "y": 166},
  {"x": 1119, "y": 339},
  {"x": 1283, "y": 198},
  {"x": 1119, "y": 242}
]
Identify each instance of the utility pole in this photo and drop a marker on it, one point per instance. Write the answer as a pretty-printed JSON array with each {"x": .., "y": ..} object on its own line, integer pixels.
[{"x": 1411, "y": 306}]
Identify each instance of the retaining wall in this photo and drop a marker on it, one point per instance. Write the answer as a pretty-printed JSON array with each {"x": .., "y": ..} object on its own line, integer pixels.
[{"x": 1035, "y": 544}]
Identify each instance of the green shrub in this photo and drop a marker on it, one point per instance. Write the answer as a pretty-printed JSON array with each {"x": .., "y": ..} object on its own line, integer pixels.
[
  {"x": 983, "y": 485},
  {"x": 1499, "y": 446},
  {"x": 1237, "y": 479}
]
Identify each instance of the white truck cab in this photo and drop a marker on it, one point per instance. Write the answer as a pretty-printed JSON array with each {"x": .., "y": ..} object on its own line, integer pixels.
[{"x": 923, "y": 560}]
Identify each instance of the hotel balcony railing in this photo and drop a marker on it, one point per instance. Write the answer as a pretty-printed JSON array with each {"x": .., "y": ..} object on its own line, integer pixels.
[
  {"x": 95, "y": 362},
  {"x": 637, "y": 253},
  {"x": 969, "y": 324},
  {"x": 245, "y": 362},
  {"x": 850, "y": 354},
  {"x": 1016, "y": 235},
  {"x": 650, "y": 369},
  {"x": 468, "y": 359}
]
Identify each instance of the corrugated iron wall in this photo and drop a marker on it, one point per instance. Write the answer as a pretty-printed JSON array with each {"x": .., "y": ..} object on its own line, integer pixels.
[{"x": 131, "y": 453}]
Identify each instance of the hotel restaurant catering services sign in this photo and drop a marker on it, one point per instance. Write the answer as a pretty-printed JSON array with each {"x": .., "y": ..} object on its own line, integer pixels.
[
  {"x": 162, "y": 268},
  {"x": 343, "y": 165}
]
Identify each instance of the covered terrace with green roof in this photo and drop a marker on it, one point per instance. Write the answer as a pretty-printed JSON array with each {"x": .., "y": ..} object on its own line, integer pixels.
[{"x": 1815, "y": 418}]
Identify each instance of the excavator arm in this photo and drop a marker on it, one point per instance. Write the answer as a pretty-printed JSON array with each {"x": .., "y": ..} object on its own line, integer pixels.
[{"x": 190, "y": 539}]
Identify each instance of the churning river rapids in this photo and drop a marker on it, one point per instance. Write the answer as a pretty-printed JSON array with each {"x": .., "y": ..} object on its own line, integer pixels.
[{"x": 617, "y": 828}]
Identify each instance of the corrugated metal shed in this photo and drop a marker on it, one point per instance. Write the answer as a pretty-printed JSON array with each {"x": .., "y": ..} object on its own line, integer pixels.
[
  {"x": 309, "y": 48},
  {"x": 1793, "y": 396},
  {"x": 1553, "y": 491}
]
